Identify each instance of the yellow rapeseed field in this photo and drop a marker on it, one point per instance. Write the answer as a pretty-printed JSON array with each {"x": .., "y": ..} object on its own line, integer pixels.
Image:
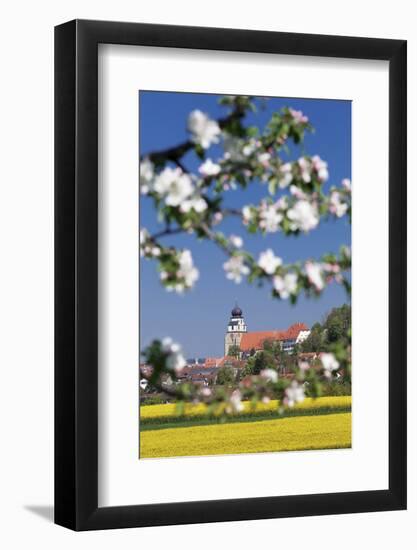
[
  {"x": 161, "y": 411},
  {"x": 286, "y": 434}
]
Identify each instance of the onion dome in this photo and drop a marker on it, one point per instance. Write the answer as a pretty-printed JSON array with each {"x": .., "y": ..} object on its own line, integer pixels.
[{"x": 236, "y": 311}]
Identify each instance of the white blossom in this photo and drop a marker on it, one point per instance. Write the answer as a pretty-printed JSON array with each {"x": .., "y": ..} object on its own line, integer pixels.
[
  {"x": 196, "y": 203},
  {"x": 270, "y": 375},
  {"x": 209, "y": 168},
  {"x": 285, "y": 175},
  {"x": 187, "y": 270},
  {"x": 329, "y": 362},
  {"x": 282, "y": 203},
  {"x": 303, "y": 365},
  {"x": 143, "y": 236},
  {"x": 346, "y": 184},
  {"x": 173, "y": 185},
  {"x": 146, "y": 175},
  {"x": 204, "y": 130},
  {"x": 298, "y": 116},
  {"x": 336, "y": 205},
  {"x": 143, "y": 241},
  {"x": 297, "y": 192},
  {"x": 305, "y": 168},
  {"x": 346, "y": 251},
  {"x": 320, "y": 166},
  {"x": 217, "y": 218},
  {"x": 304, "y": 216},
  {"x": 264, "y": 159},
  {"x": 286, "y": 285},
  {"x": 249, "y": 148},
  {"x": 315, "y": 274},
  {"x": 236, "y": 241},
  {"x": 235, "y": 268},
  {"x": 269, "y": 262},
  {"x": 294, "y": 394},
  {"x": 235, "y": 402},
  {"x": 270, "y": 219},
  {"x": 169, "y": 346},
  {"x": 175, "y": 360},
  {"x": 246, "y": 214}
]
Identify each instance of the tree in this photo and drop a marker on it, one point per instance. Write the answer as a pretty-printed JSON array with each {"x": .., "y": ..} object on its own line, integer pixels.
[
  {"x": 226, "y": 376},
  {"x": 263, "y": 360},
  {"x": 273, "y": 347},
  {"x": 315, "y": 341},
  {"x": 234, "y": 351},
  {"x": 335, "y": 329},
  {"x": 337, "y": 323}
]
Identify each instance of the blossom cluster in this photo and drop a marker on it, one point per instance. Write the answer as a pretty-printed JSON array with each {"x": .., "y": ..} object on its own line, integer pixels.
[
  {"x": 297, "y": 212},
  {"x": 173, "y": 186},
  {"x": 177, "y": 269},
  {"x": 288, "y": 280},
  {"x": 204, "y": 131}
]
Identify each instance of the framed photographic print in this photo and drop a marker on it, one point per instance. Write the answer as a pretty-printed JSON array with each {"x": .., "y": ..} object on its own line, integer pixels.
[{"x": 230, "y": 275}]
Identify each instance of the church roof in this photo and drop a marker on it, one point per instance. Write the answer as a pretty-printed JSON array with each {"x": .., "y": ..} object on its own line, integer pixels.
[{"x": 254, "y": 340}]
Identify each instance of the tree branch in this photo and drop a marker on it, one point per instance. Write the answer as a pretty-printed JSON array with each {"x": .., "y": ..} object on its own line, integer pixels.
[{"x": 165, "y": 232}]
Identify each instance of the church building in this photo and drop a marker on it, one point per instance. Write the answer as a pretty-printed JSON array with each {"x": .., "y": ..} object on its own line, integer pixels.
[{"x": 237, "y": 335}]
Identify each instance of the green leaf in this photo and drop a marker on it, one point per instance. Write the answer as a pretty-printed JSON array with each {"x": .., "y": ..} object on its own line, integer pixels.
[
  {"x": 200, "y": 152},
  {"x": 252, "y": 131}
]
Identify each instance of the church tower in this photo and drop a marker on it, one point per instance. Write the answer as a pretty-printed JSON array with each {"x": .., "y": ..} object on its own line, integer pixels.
[{"x": 235, "y": 329}]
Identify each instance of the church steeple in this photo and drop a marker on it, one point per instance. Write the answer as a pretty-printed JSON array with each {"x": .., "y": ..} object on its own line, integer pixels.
[
  {"x": 237, "y": 321},
  {"x": 235, "y": 329}
]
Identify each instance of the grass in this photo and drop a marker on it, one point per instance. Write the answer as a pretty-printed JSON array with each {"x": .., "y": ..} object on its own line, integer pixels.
[
  {"x": 329, "y": 431},
  {"x": 164, "y": 416}
]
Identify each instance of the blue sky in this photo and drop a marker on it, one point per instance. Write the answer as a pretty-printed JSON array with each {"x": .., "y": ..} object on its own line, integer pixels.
[{"x": 198, "y": 319}]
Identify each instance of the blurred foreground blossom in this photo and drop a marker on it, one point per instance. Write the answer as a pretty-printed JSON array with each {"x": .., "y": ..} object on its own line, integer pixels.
[
  {"x": 175, "y": 360},
  {"x": 204, "y": 131},
  {"x": 269, "y": 262},
  {"x": 173, "y": 185},
  {"x": 286, "y": 285},
  {"x": 330, "y": 363},
  {"x": 294, "y": 394},
  {"x": 270, "y": 375},
  {"x": 235, "y": 268},
  {"x": 209, "y": 168},
  {"x": 315, "y": 275}
]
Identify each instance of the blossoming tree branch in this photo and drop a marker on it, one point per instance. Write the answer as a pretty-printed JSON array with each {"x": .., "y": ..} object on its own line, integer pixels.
[{"x": 194, "y": 203}]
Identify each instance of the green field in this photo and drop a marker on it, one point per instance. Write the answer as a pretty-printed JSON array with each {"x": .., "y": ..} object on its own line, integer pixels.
[{"x": 323, "y": 423}]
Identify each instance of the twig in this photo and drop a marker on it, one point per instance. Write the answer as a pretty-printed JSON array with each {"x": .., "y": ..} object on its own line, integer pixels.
[{"x": 167, "y": 231}]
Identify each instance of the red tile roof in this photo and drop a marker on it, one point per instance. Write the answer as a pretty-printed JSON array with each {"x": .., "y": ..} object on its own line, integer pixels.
[
  {"x": 212, "y": 361},
  {"x": 228, "y": 359},
  {"x": 254, "y": 340}
]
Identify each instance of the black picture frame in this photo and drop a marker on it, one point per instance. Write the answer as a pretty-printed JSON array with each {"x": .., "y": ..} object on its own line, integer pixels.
[{"x": 76, "y": 272}]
